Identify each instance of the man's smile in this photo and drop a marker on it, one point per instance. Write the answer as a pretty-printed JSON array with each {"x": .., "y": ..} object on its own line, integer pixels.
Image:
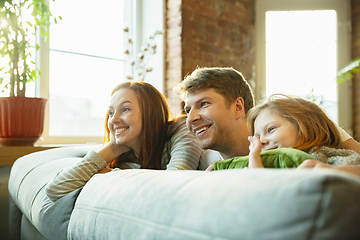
[{"x": 201, "y": 130}]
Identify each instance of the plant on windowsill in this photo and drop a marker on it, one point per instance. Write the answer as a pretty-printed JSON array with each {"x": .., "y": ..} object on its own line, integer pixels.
[
  {"x": 345, "y": 74},
  {"x": 348, "y": 71},
  {"x": 21, "y": 118}
]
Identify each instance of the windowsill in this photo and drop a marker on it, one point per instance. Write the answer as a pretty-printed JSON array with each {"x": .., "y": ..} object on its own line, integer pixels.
[{"x": 8, "y": 155}]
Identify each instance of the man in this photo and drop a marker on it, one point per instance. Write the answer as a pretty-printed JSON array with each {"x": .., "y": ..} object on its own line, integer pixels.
[{"x": 216, "y": 102}]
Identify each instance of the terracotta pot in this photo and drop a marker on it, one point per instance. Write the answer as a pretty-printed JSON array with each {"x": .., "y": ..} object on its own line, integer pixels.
[{"x": 21, "y": 120}]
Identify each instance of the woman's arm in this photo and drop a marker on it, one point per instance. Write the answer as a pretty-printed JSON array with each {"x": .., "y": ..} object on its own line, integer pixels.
[
  {"x": 185, "y": 150},
  {"x": 78, "y": 174},
  {"x": 75, "y": 176}
]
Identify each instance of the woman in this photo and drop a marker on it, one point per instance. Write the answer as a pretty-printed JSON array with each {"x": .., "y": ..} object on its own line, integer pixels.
[{"x": 139, "y": 134}]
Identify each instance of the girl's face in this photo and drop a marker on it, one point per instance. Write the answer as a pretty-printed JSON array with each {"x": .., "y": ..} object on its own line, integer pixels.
[
  {"x": 125, "y": 119},
  {"x": 275, "y": 131}
]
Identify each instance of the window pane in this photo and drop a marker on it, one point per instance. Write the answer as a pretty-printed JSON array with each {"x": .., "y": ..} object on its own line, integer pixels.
[
  {"x": 86, "y": 62},
  {"x": 301, "y": 56}
]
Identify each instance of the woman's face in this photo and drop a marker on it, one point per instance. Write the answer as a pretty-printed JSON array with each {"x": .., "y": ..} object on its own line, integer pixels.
[
  {"x": 275, "y": 131},
  {"x": 125, "y": 122}
]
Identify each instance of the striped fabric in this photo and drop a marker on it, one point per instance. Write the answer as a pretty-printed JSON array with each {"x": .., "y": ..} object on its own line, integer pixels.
[{"x": 183, "y": 147}]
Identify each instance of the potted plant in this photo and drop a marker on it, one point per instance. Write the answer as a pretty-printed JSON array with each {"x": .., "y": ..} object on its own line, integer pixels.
[{"x": 21, "y": 118}]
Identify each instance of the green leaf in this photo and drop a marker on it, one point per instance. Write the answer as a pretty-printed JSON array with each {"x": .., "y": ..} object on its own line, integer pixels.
[
  {"x": 11, "y": 11},
  {"x": 347, "y": 72}
]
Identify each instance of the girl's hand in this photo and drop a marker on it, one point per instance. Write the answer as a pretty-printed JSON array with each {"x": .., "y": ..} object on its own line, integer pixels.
[
  {"x": 255, "y": 145},
  {"x": 255, "y": 150}
]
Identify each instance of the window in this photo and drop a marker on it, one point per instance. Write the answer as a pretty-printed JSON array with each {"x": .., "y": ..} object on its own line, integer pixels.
[
  {"x": 84, "y": 61},
  {"x": 301, "y": 55},
  {"x": 300, "y": 47}
]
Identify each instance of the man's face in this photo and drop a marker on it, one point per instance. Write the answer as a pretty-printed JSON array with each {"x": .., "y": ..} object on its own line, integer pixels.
[{"x": 209, "y": 118}]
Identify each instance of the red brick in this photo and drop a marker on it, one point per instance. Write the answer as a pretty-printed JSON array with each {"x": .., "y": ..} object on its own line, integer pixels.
[
  {"x": 174, "y": 73},
  {"x": 173, "y": 42},
  {"x": 210, "y": 33},
  {"x": 174, "y": 52},
  {"x": 174, "y": 32},
  {"x": 172, "y": 3}
]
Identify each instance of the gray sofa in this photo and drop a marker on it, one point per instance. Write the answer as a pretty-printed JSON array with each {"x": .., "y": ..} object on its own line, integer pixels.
[{"x": 148, "y": 204}]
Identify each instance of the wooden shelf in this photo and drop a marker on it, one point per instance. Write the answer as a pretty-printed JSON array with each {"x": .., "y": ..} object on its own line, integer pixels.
[{"x": 8, "y": 155}]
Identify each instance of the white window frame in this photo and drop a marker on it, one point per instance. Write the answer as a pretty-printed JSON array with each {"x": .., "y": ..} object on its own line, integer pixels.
[
  {"x": 342, "y": 8},
  {"x": 140, "y": 26}
]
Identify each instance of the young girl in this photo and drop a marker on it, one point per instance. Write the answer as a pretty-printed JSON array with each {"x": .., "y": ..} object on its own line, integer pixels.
[
  {"x": 293, "y": 122},
  {"x": 139, "y": 134}
]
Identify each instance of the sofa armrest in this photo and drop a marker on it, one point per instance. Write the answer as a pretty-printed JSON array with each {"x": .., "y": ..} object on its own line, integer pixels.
[{"x": 29, "y": 175}]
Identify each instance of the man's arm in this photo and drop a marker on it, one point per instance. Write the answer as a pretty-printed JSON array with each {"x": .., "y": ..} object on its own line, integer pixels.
[
  {"x": 352, "y": 145},
  {"x": 348, "y": 141}
]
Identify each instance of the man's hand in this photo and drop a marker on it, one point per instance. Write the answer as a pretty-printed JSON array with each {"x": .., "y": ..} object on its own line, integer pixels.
[
  {"x": 211, "y": 166},
  {"x": 309, "y": 163},
  {"x": 353, "y": 169}
]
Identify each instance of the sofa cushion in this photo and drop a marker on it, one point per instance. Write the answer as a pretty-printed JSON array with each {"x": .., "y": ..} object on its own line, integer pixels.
[{"x": 231, "y": 204}]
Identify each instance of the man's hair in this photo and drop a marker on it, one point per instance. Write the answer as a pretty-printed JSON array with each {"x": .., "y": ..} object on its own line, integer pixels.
[
  {"x": 314, "y": 127},
  {"x": 228, "y": 82}
]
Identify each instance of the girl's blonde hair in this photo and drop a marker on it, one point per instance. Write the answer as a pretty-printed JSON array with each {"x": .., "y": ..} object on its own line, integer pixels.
[{"x": 315, "y": 128}]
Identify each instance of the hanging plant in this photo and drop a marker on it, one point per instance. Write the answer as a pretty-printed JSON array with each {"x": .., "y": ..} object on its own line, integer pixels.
[
  {"x": 139, "y": 63},
  {"x": 348, "y": 71}
]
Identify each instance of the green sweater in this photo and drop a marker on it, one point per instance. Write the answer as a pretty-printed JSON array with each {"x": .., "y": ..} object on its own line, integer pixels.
[{"x": 276, "y": 158}]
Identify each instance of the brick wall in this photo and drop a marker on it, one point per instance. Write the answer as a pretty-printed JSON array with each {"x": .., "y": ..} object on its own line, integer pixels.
[
  {"x": 355, "y": 19},
  {"x": 207, "y": 33}
]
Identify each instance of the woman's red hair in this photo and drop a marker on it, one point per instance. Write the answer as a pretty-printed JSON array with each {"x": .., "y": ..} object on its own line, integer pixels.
[{"x": 155, "y": 122}]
